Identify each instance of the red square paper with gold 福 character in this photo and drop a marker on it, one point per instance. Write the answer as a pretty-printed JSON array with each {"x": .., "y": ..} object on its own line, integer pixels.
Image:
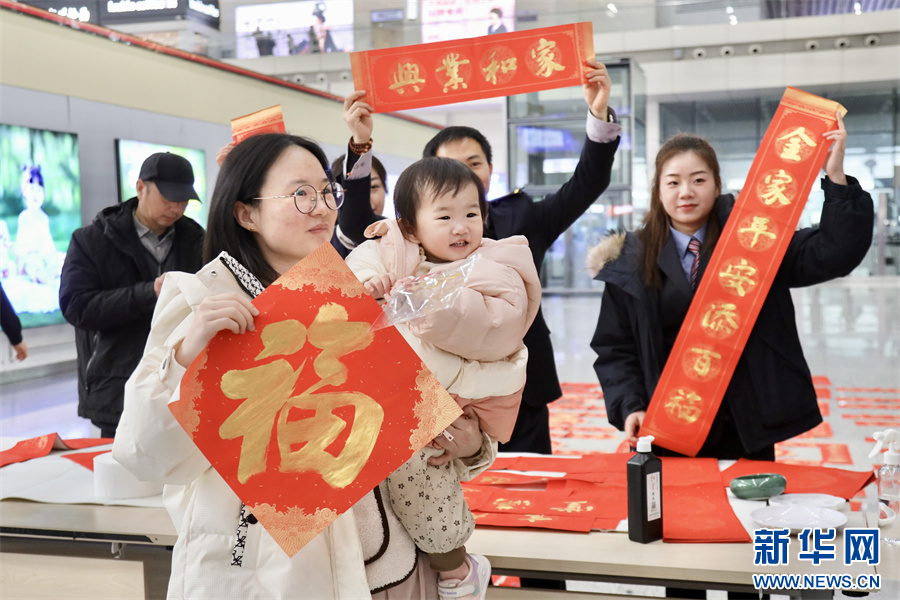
[{"x": 310, "y": 411}]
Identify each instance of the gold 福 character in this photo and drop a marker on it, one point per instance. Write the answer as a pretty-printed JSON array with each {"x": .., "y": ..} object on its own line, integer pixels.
[
  {"x": 507, "y": 504},
  {"x": 537, "y": 518},
  {"x": 574, "y": 506},
  {"x": 304, "y": 444},
  {"x": 684, "y": 405}
]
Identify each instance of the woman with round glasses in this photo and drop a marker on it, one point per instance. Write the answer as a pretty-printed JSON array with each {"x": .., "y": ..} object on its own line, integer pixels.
[{"x": 273, "y": 204}]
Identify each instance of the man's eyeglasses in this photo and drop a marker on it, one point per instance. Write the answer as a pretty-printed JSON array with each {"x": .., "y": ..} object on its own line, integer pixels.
[{"x": 306, "y": 197}]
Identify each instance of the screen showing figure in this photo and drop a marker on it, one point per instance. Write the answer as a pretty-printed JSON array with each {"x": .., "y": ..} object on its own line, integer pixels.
[
  {"x": 456, "y": 19},
  {"x": 285, "y": 28},
  {"x": 40, "y": 207},
  {"x": 131, "y": 154}
]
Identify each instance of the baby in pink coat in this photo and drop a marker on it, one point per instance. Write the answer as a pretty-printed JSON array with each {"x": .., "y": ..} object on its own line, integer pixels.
[{"x": 475, "y": 348}]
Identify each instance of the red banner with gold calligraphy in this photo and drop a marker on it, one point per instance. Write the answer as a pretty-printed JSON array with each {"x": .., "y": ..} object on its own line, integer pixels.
[
  {"x": 740, "y": 273},
  {"x": 483, "y": 67},
  {"x": 267, "y": 120},
  {"x": 305, "y": 415}
]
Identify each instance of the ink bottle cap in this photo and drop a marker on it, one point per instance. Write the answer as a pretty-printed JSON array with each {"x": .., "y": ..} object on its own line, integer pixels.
[{"x": 645, "y": 443}]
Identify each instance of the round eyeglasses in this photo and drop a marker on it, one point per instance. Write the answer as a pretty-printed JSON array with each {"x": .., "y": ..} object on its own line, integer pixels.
[{"x": 306, "y": 197}]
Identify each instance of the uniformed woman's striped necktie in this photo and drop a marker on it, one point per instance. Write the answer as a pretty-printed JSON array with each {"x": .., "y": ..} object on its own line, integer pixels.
[{"x": 694, "y": 248}]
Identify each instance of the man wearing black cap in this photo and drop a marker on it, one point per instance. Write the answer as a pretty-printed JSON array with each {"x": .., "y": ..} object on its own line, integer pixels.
[{"x": 112, "y": 275}]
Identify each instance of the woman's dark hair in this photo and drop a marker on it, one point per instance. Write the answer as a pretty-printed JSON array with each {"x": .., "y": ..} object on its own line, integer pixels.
[
  {"x": 455, "y": 133},
  {"x": 654, "y": 232},
  {"x": 33, "y": 173},
  {"x": 497, "y": 12},
  {"x": 337, "y": 167},
  {"x": 240, "y": 180},
  {"x": 435, "y": 176}
]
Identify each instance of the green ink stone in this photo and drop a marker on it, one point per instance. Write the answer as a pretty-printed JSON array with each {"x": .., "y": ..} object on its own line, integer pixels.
[{"x": 759, "y": 486}]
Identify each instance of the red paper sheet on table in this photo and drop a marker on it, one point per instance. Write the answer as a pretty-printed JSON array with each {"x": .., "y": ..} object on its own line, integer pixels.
[
  {"x": 740, "y": 273},
  {"x": 267, "y": 120},
  {"x": 610, "y": 501},
  {"x": 588, "y": 463},
  {"x": 476, "y": 495},
  {"x": 85, "y": 459},
  {"x": 309, "y": 412},
  {"x": 606, "y": 524},
  {"x": 42, "y": 445},
  {"x": 688, "y": 471},
  {"x": 474, "y": 68},
  {"x": 565, "y": 523},
  {"x": 500, "y": 478},
  {"x": 534, "y": 502},
  {"x": 700, "y": 513},
  {"x": 695, "y": 505},
  {"x": 805, "y": 479}
]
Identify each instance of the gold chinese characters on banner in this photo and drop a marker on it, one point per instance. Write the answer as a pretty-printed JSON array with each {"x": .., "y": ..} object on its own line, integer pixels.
[
  {"x": 305, "y": 415},
  {"x": 470, "y": 69},
  {"x": 740, "y": 273},
  {"x": 267, "y": 120}
]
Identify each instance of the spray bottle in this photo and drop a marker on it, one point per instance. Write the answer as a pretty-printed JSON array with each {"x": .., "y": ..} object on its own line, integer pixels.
[
  {"x": 889, "y": 485},
  {"x": 644, "y": 474}
]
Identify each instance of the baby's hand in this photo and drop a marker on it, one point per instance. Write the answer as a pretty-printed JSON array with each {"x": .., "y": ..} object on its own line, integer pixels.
[
  {"x": 401, "y": 282},
  {"x": 223, "y": 153},
  {"x": 380, "y": 286}
]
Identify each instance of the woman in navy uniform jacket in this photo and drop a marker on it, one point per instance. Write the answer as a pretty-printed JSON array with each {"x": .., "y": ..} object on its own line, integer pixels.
[{"x": 648, "y": 292}]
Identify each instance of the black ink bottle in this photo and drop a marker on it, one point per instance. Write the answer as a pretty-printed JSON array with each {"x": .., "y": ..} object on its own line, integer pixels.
[{"x": 644, "y": 494}]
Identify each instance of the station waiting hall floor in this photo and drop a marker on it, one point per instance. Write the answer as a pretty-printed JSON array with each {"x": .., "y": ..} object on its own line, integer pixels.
[{"x": 850, "y": 331}]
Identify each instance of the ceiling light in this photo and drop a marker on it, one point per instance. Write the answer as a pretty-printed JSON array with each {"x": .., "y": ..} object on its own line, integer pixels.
[{"x": 612, "y": 8}]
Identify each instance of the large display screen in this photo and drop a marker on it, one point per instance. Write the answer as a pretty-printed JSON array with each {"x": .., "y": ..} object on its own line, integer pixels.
[
  {"x": 456, "y": 19},
  {"x": 86, "y": 11},
  {"x": 131, "y": 154},
  {"x": 285, "y": 28},
  {"x": 117, "y": 12},
  {"x": 40, "y": 207}
]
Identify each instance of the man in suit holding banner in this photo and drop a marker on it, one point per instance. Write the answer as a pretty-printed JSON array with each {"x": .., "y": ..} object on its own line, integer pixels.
[{"x": 514, "y": 214}]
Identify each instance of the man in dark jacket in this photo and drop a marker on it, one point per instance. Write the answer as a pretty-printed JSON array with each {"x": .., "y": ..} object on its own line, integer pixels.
[{"x": 112, "y": 275}]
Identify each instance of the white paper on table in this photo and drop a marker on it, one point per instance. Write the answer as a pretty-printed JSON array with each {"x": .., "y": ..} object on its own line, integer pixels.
[{"x": 57, "y": 480}]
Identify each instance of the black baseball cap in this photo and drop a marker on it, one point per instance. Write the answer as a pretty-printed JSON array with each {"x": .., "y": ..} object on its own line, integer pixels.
[{"x": 172, "y": 174}]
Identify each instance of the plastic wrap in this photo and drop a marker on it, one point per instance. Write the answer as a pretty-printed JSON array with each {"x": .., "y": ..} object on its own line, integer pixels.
[{"x": 425, "y": 295}]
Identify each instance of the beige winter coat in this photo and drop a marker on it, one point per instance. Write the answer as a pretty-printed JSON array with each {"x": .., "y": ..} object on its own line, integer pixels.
[{"x": 154, "y": 447}]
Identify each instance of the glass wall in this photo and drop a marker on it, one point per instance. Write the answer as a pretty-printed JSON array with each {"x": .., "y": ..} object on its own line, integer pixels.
[
  {"x": 546, "y": 135},
  {"x": 736, "y": 127}
]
